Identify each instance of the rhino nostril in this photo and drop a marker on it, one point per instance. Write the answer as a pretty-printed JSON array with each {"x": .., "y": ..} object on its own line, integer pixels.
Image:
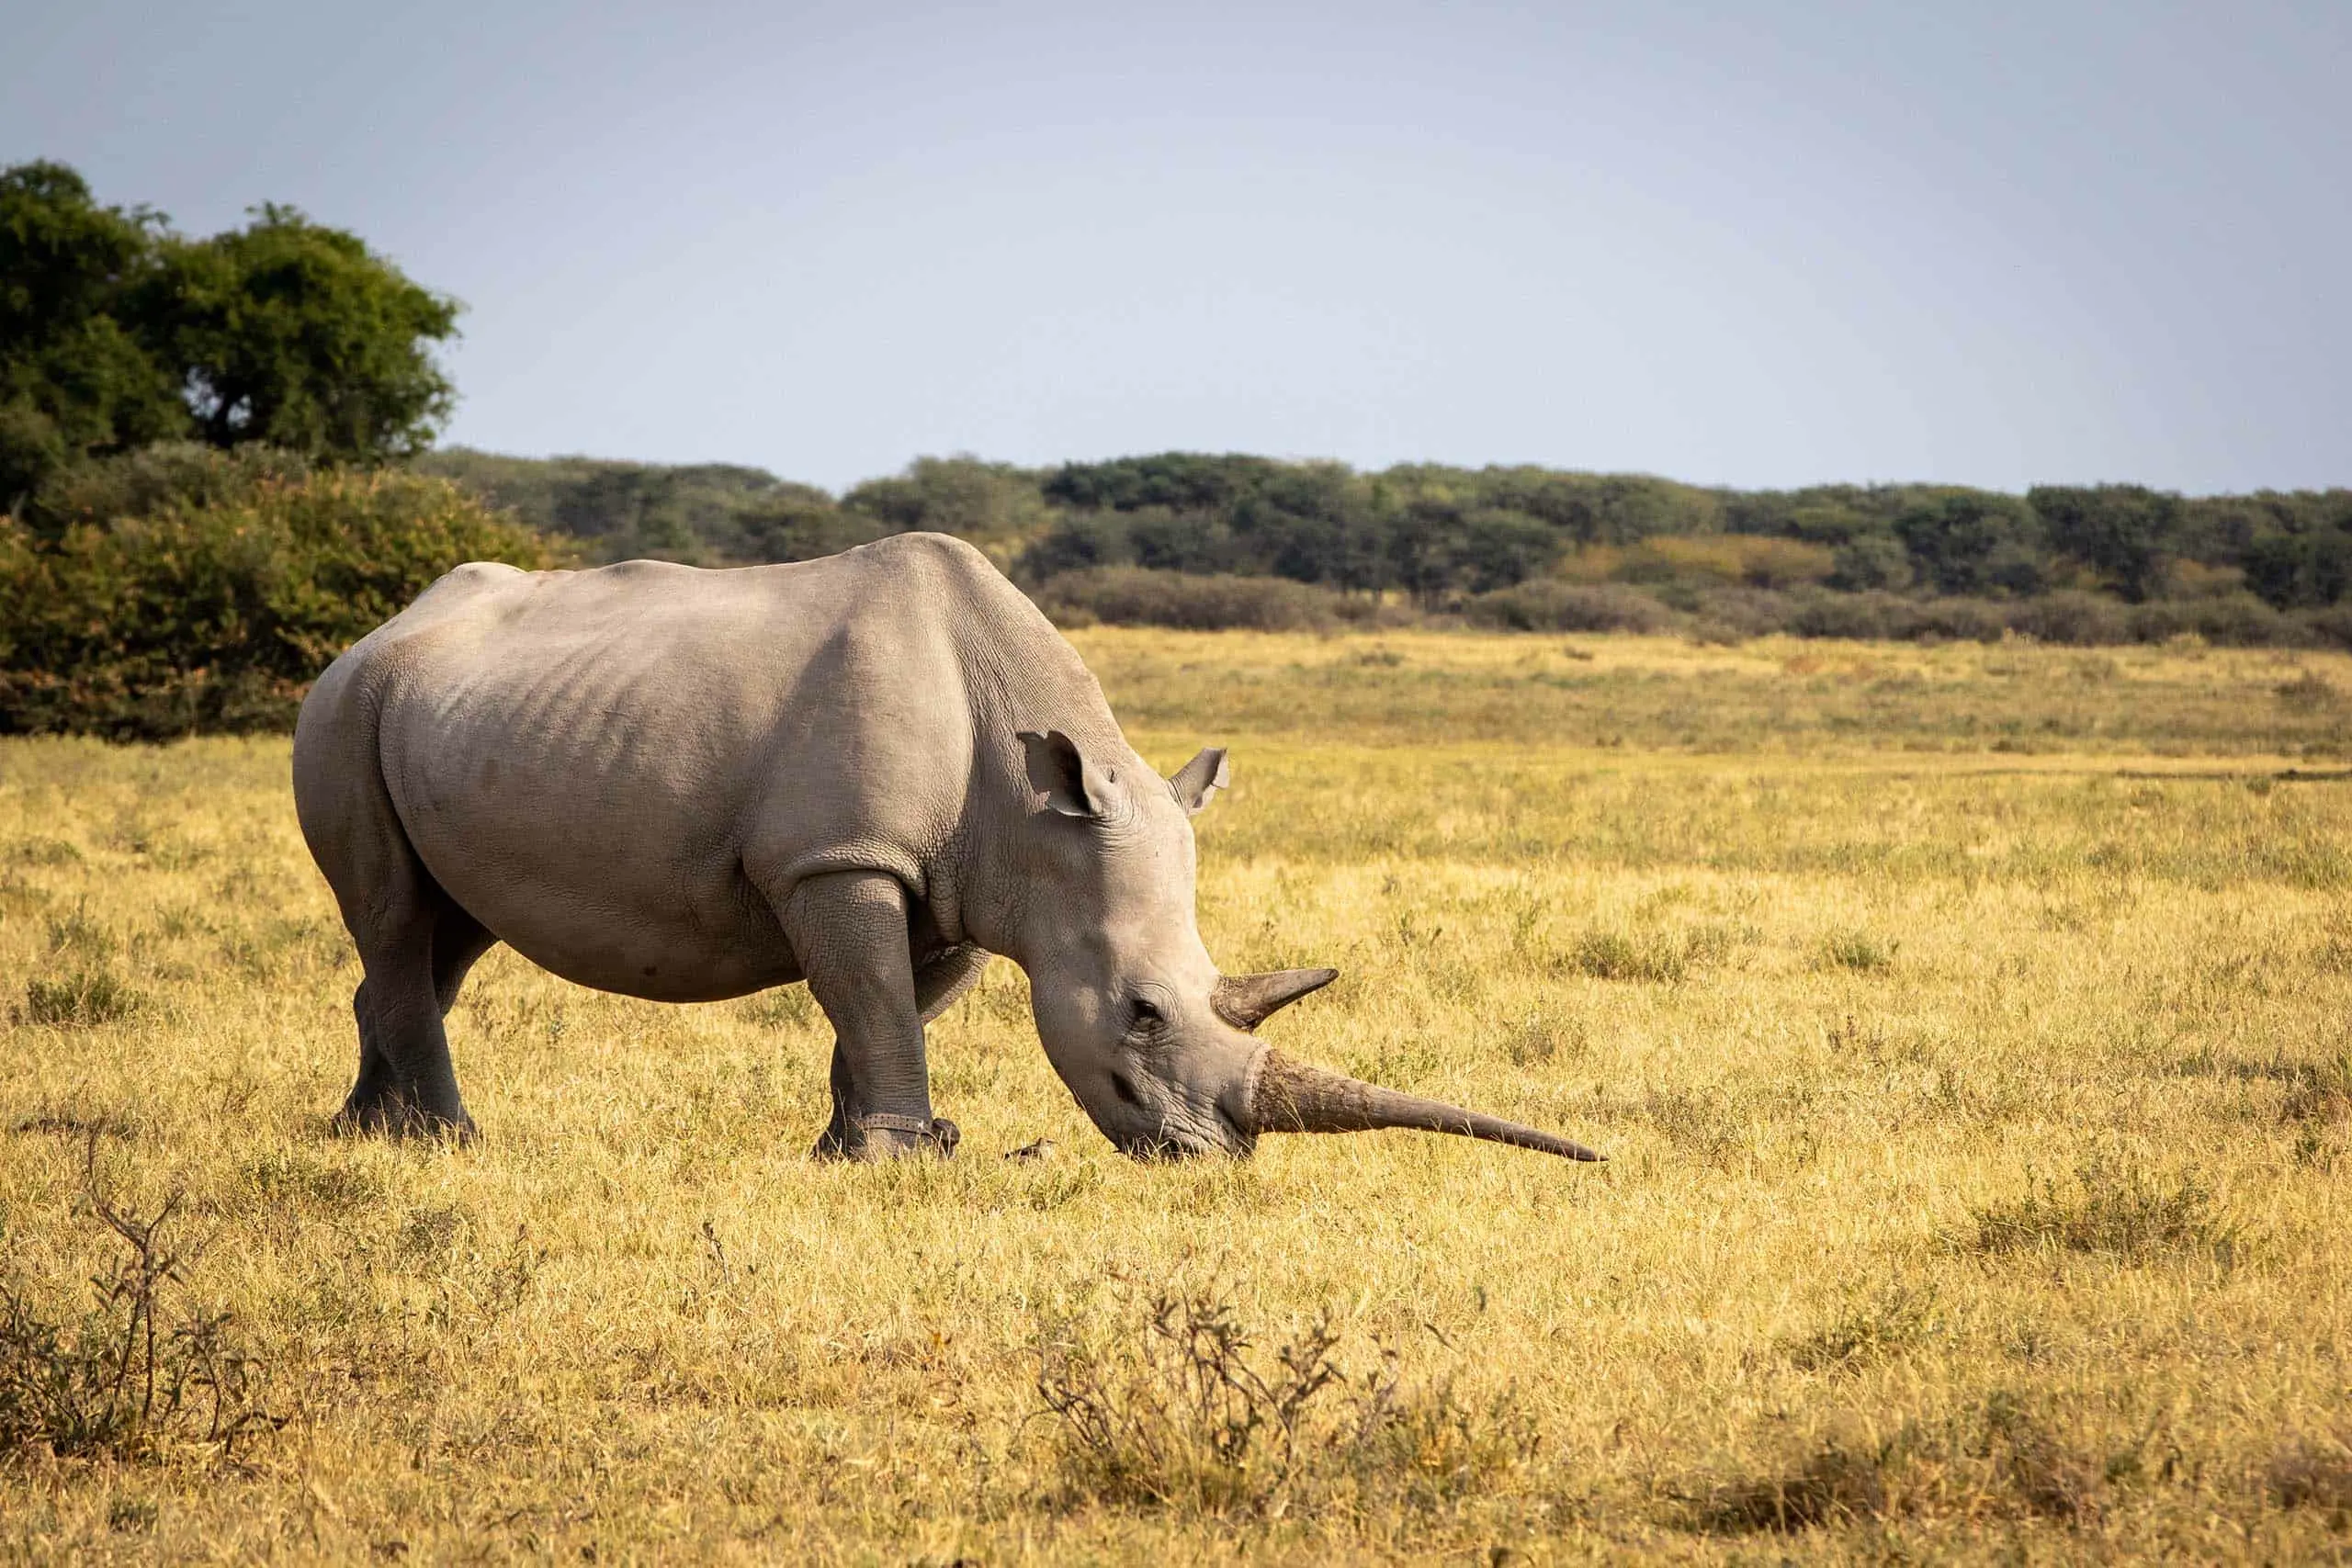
[{"x": 1125, "y": 1089}]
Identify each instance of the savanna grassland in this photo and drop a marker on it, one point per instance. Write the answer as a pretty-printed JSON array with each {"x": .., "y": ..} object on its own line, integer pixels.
[{"x": 1969, "y": 1027}]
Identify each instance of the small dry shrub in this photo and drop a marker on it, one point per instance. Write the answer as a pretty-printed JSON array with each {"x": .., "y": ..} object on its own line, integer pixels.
[
  {"x": 1172, "y": 1402},
  {"x": 43, "y": 851},
  {"x": 2106, "y": 1208},
  {"x": 2310, "y": 691},
  {"x": 2314, "y": 1473},
  {"x": 1856, "y": 949},
  {"x": 144, "y": 1374}
]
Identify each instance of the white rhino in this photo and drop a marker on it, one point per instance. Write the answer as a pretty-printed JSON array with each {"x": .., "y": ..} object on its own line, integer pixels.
[{"x": 869, "y": 771}]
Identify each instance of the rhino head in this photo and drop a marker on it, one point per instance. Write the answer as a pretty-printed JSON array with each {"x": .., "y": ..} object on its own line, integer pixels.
[{"x": 1154, "y": 1042}]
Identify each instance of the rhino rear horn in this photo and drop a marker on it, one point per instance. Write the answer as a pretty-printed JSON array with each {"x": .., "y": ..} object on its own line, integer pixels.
[
  {"x": 1246, "y": 1001},
  {"x": 1292, "y": 1096}
]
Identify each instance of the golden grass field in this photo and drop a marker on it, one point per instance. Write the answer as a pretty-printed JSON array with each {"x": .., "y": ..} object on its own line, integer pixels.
[{"x": 1971, "y": 1030}]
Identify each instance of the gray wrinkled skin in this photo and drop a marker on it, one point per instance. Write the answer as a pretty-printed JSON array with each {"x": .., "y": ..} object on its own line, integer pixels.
[
  {"x": 688, "y": 785},
  {"x": 870, "y": 772}
]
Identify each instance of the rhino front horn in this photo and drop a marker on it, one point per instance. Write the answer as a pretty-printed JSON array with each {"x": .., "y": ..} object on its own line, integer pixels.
[
  {"x": 1292, "y": 1096},
  {"x": 1246, "y": 1001}
]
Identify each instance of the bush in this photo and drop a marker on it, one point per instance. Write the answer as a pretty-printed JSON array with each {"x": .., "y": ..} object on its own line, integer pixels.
[
  {"x": 2108, "y": 1209},
  {"x": 2331, "y": 627},
  {"x": 1752, "y": 560},
  {"x": 1546, "y": 607},
  {"x": 2234, "y": 620},
  {"x": 1745, "y": 611},
  {"x": 2074, "y": 618},
  {"x": 1137, "y": 596},
  {"x": 80, "y": 999},
  {"x": 183, "y": 590}
]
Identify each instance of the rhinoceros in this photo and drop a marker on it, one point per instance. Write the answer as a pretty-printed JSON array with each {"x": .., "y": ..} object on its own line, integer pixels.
[{"x": 870, "y": 772}]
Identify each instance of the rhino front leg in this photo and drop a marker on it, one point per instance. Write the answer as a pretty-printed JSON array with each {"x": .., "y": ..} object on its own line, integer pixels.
[{"x": 848, "y": 932}]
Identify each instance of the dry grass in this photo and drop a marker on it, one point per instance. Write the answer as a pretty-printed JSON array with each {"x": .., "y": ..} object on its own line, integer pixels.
[{"x": 1968, "y": 1026}]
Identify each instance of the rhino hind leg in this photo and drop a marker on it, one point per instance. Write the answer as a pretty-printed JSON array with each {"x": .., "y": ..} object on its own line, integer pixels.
[
  {"x": 415, "y": 945},
  {"x": 407, "y": 1085},
  {"x": 848, "y": 932}
]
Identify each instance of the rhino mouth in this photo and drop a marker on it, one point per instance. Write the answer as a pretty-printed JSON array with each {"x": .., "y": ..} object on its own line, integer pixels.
[{"x": 1168, "y": 1147}]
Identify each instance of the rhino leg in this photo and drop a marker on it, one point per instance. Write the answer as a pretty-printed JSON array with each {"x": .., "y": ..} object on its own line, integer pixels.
[
  {"x": 848, "y": 932},
  {"x": 415, "y": 945},
  {"x": 941, "y": 981},
  {"x": 404, "y": 1076}
]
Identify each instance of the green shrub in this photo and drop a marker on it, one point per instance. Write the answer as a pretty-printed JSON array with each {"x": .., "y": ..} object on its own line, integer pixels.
[
  {"x": 1139, "y": 596},
  {"x": 180, "y": 591},
  {"x": 2234, "y": 620}
]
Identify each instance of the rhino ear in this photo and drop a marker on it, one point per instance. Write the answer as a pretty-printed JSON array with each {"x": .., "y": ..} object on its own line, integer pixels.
[
  {"x": 1197, "y": 781},
  {"x": 1060, "y": 771}
]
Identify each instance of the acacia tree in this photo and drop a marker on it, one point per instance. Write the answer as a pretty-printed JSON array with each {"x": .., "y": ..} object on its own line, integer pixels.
[{"x": 295, "y": 334}]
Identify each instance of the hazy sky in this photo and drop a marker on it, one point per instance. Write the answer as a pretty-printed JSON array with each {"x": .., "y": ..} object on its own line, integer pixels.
[{"x": 1757, "y": 244}]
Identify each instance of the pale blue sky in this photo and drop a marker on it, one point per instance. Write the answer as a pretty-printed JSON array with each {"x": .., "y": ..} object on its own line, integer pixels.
[{"x": 1756, "y": 244}]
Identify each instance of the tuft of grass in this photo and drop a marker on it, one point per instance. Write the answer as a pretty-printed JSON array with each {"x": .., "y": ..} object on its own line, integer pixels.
[
  {"x": 2319, "y": 1091},
  {"x": 80, "y": 998},
  {"x": 1174, "y": 1402},
  {"x": 1659, "y": 957},
  {"x": 1856, "y": 949},
  {"x": 2106, "y": 1208},
  {"x": 1899, "y": 1317},
  {"x": 77, "y": 932}
]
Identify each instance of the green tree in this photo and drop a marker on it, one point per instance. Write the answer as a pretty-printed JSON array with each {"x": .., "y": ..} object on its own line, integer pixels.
[
  {"x": 298, "y": 335},
  {"x": 1970, "y": 542},
  {"x": 2121, "y": 532},
  {"x": 988, "y": 503},
  {"x": 73, "y": 379},
  {"x": 116, "y": 332}
]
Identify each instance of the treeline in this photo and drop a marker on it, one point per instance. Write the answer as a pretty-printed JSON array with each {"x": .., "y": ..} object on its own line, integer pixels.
[{"x": 1436, "y": 536}]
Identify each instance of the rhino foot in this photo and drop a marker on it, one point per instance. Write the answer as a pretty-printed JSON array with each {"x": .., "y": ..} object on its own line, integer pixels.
[
  {"x": 390, "y": 1116},
  {"x": 886, "y": 1141}
]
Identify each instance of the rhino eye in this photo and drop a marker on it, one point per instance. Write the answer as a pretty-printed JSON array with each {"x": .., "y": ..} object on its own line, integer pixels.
[{"x": 1148, "y": 1016}]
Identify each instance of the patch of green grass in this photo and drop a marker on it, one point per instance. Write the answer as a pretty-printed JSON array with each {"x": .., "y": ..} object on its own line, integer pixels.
[
  {"x": 2108, "y": 1208},
  {"x": 80, "y": 998}
]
